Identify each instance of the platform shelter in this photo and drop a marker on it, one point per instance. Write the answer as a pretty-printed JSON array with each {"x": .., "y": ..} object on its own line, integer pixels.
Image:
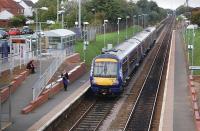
[{"x": 60, "y": 39}]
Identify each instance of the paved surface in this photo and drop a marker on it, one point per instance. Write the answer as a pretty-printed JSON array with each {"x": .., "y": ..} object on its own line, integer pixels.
[
  {"x": 183, "y": 115},
  {"x": 23, "y": 96},
  {"x": 177, "y": 112},
  {"x": 166, "y": 118}
]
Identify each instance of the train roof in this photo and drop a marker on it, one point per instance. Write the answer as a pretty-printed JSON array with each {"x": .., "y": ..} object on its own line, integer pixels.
[
  {"x": 141, "y": 36},
  {"x": 123, "y": 49},
  {"x": 150, "y": 29}
]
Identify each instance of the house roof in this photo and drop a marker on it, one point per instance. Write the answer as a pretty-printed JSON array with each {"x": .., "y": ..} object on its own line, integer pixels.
[
  {"x": 5, "y": 15},
  {"x": 58, "y": 33},
  {"x": 9, "y": 5},
  {"x": 29, "y": 3}
]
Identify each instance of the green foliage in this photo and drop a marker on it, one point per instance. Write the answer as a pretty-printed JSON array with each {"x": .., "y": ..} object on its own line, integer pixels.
[
  {"x": 196, "y": 18},
  {"x": 17, "y": 21},
  {"x": 104, "y": 9},
  {"x": 179, "y": 18},
  {"x": 186, "y": 11},
  {"x": 95, "y": 47},
  {"x": 181, "y": 10},
  {"x": 196, "y": 57},
  {"x": 55, "y": 26}
]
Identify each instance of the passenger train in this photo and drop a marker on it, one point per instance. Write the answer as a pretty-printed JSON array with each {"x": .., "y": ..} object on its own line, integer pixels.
[{"x": 111, "y": 70}]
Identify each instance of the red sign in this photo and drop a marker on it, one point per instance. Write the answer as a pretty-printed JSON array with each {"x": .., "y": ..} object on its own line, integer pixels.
[{"x": 18, "y": 41}]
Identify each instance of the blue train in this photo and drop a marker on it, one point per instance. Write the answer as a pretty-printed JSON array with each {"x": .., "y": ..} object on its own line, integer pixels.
[{"x": 111, "y": 70}]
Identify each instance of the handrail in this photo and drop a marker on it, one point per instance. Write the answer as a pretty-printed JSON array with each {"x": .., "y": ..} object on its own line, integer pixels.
[{"x": 49, "y": 72}]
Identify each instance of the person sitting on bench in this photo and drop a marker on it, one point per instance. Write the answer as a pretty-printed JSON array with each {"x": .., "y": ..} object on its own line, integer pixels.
[{"x": 31, "y": 66}]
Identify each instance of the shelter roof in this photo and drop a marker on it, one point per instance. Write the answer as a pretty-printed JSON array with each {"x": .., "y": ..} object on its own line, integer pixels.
[{"x": 58, "y": 33}]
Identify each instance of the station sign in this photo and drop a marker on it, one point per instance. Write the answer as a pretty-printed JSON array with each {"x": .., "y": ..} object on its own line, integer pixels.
[
  {"x": 190, "y": 47},
  {"x": 194, "y": 67},
  {"x": 18, "y": 41}
]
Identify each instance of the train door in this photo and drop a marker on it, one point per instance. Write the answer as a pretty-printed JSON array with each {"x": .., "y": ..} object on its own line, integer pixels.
[
  {"x": 139, "y": 54},
  {"x": 125, "y": 68},
  {"x": 142, "y": 48}
]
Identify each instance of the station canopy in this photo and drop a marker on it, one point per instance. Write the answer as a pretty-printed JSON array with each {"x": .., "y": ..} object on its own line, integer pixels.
[
  {"x": 58, "y": 33},
  {"x": 59, "y": 39}
]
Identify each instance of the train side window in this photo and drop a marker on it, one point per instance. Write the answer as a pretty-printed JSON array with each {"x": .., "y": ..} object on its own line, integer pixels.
[{"x": 125, "y": 65}]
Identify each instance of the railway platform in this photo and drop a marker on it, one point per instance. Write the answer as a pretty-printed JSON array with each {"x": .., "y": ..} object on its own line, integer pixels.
[
  {"x": 23, "y": 95},
  {"x": 21, "y": 122},
  {"x": 177, "y": 110}
]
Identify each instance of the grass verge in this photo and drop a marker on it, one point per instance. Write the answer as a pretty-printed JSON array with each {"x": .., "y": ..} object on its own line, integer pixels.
[
  {"x": 196, "y": 53},
  {"x": 95, "y": 47}
]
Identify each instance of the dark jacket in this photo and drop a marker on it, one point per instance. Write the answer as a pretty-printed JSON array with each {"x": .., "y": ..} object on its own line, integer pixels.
[{"x": 65, "y": 78}]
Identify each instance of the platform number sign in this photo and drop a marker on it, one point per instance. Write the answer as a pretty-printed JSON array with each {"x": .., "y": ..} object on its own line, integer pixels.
[{"x": 190, "y": 47}]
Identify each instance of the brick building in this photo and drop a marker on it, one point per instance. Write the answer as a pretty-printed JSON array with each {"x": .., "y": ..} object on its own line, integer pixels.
[{"x": 10, "y": 6}]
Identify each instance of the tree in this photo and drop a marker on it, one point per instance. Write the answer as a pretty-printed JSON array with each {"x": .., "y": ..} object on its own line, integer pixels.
[
  {"x": 196, "y": 16},
  {"x": 17, "y": 21},
  {"x": 181, "y": 10},
  {"x": 104, "y": 9}
]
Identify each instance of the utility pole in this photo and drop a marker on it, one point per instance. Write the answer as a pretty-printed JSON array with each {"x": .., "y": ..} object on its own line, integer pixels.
[
  {"x": 57, "y": 10},
  {"x": 79, "y": 14}
]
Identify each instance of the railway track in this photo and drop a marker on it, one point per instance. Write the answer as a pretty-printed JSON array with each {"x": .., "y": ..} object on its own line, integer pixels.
[
  {"x": 93, "y": 117},
  {"x": 135, "y": 85},
  {"x": 88, "y": 119},
  {"x": 141, "y": 115}
]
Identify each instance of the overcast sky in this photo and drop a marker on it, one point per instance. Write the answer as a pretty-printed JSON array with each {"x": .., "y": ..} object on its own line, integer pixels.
[{"x": 171, "y": 4}]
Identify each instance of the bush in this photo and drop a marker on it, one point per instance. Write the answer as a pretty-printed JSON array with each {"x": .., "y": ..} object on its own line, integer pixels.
[{"x": 17, "y": 21}]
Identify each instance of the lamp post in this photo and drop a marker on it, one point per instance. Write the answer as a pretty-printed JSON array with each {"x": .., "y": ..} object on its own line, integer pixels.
[
  {"x": 127, "y": 17},
  {"x": 193, "y": 35},
  {"x": 143, "y": 20},
  {"x": 191, "y": 31},
  {"x": 57, "y": 11},
  {"x": 36, "y": 13},
  {"x": 93, "y": 10},
  {"x": 79, "y": 14},
  {"x": 118, "y": 27},
  {"x": 38, "y": 34},
  {"x": 85, "y": 43},
  {"x": 133, "y": 23},
  {"x": 138, "y": 22},
  {"x": 104, "y": 25},
  {"x": 62, "y": 13}
]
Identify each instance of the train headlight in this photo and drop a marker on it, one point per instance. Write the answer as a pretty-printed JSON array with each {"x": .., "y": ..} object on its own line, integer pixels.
[
  {"x": 93, "y": 81},
  {"x": 116, "y": 82}
]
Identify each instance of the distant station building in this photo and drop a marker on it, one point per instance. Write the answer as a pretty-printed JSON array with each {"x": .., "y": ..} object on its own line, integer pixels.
[{"x": 60, "y": 39}]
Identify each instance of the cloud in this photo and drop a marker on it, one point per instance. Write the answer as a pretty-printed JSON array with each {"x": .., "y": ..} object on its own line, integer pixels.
[{"x": 173, "y": 4}]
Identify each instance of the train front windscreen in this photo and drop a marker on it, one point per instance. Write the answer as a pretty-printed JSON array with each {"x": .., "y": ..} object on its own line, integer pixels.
[{"x": 105, "y": 69}]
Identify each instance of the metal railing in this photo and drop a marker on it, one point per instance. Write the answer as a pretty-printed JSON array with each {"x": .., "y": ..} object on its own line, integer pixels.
[
  {"x": 59, "y": 57},
  {"x": 15, "y": 60}
]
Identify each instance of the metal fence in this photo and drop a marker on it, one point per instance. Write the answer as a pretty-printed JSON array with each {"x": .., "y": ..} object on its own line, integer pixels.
[
  {"x": 15, "y": 60},
  {"x": 59, "y": 57},
  {"x": 92, "y": 31}
]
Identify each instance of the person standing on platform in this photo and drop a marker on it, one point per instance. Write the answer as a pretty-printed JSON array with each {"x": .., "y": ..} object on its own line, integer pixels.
[{"x": 65, "y": 79}]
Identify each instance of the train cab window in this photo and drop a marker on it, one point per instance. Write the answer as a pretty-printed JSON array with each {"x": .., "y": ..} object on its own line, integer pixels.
[{"x": 105, "y": 69}]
